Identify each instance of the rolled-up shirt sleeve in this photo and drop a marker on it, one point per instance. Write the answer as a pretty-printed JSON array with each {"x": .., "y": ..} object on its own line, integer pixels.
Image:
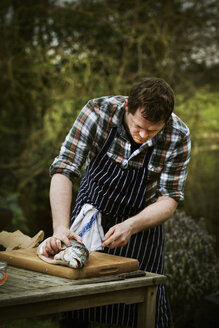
[
  {"x": 174, "y": 173},
  {"x": 77, "y": 144}
]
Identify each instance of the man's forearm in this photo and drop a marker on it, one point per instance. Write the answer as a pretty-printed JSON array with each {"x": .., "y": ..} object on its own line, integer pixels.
[
  {"x": 60, "y": 200},
  {"x": 153, "y": 214}
]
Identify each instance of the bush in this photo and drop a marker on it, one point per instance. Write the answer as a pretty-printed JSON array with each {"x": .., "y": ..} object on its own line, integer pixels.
[{"x": 191, "y": 266}]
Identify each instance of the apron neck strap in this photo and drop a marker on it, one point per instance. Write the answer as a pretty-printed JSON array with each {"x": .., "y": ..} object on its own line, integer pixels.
[
  {"x": 148, "y": 156},
  {"x": 109, "y": 139}
]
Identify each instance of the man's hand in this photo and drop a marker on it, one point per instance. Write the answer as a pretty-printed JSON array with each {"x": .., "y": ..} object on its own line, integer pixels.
[
  {"x": 149, "y": 217},
  {"x": 63, "y": 234},
  {"x": 118, "y": 235}
]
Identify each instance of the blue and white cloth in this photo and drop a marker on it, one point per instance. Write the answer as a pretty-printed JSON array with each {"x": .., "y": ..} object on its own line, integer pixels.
[{"x": 88, "y": 226}]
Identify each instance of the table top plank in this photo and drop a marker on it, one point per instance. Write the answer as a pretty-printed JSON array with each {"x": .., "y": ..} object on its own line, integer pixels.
[{"x": 25, "y": 286}]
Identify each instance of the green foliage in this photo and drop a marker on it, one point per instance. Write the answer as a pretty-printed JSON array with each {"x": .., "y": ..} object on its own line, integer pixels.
[
  {"x": 191, "y": 266},
  {"x": 10, "y": 201},
  {"x": 55, "y": 56},
  {"x": 201, "y": 192},
  {"x": 197, "y": 107}
]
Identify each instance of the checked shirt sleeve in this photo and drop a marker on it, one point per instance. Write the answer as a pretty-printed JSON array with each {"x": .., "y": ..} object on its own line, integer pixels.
[
  {"x": 174, "y": 173},
  {"x": 77, "y": 144}
]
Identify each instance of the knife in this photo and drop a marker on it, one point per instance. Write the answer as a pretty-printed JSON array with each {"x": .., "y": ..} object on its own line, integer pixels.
[{"x": 122, "y": 276}]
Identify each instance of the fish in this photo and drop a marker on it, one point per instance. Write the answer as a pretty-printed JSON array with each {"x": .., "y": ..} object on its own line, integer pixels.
[{"x": 75, "y": 256}]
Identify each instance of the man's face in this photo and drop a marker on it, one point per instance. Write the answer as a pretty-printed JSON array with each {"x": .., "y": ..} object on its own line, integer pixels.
[{"x": 139, "y": 128}]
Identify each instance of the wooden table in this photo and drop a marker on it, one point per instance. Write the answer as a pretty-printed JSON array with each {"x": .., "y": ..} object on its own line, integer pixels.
[{"x": 28, "y": 294}]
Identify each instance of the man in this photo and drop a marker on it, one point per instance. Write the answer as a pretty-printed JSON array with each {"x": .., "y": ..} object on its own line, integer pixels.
[{"x": 137, "y": 153}]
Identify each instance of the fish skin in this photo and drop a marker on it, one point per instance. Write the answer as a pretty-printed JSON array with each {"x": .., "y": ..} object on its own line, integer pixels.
[{"x": 75, "y": 256}]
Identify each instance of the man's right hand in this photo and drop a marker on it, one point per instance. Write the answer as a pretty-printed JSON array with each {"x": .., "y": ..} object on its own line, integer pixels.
[{"x": 63, "y": 234}]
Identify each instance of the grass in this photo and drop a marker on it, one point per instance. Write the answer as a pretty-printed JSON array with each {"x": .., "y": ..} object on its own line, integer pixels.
[
  {"x": 37, "y": 322},
  {"x": 51, "y": 321}
]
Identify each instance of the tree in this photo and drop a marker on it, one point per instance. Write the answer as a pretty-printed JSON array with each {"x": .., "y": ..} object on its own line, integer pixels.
[{"x": 56, "y": 55}]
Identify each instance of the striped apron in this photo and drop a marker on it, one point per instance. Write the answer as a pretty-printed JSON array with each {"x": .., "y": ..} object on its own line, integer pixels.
[{"x": 118, "y": 194}]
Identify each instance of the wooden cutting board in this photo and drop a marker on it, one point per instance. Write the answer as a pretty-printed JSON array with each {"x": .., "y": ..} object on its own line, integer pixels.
[{"x": 99, "y": 264}]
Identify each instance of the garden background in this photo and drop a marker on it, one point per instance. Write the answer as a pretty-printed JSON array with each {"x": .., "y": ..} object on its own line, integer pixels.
[{"x": 55, "y": 56}]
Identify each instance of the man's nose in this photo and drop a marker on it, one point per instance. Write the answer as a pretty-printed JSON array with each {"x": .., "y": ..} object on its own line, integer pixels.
[{"x": 143, "y": 134}]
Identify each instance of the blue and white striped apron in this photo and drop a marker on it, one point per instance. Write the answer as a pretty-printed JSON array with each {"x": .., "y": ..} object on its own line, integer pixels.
[{"x": 118, "y": 194}]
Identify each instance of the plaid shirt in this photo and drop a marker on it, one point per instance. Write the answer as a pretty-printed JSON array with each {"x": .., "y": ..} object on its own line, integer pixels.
[{"x": 167, "y": 169}]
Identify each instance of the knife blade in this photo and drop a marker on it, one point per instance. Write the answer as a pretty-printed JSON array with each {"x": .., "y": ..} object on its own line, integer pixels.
[{"x": 122, "y": 276}]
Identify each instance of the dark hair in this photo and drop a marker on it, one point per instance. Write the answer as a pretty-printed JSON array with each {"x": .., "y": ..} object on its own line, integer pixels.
[{"x": 154, "y": 96}]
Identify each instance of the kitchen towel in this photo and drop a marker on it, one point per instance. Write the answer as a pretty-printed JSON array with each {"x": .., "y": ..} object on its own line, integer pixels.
[{"x": 88, "y": 226}]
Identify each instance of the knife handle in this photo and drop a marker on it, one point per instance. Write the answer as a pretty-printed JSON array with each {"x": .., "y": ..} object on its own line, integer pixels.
[{"x": 133, "y": 274}]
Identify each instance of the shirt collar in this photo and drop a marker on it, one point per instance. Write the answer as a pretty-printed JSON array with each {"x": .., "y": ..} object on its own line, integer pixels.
[{"x": 118, "y": 116}]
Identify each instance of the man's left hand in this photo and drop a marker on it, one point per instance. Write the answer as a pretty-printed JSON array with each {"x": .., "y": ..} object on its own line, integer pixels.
[{"x": 118, "y": 235}]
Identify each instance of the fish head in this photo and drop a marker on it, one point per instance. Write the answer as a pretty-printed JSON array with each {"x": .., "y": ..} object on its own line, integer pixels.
[{"x": 75, "y": 256}]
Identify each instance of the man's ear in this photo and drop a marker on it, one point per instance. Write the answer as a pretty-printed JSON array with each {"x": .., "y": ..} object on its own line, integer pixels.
[{"x": 126, "y": 106}]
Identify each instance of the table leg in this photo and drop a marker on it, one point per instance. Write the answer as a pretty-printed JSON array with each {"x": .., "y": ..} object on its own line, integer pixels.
[{"x": 147, "y": 309}]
